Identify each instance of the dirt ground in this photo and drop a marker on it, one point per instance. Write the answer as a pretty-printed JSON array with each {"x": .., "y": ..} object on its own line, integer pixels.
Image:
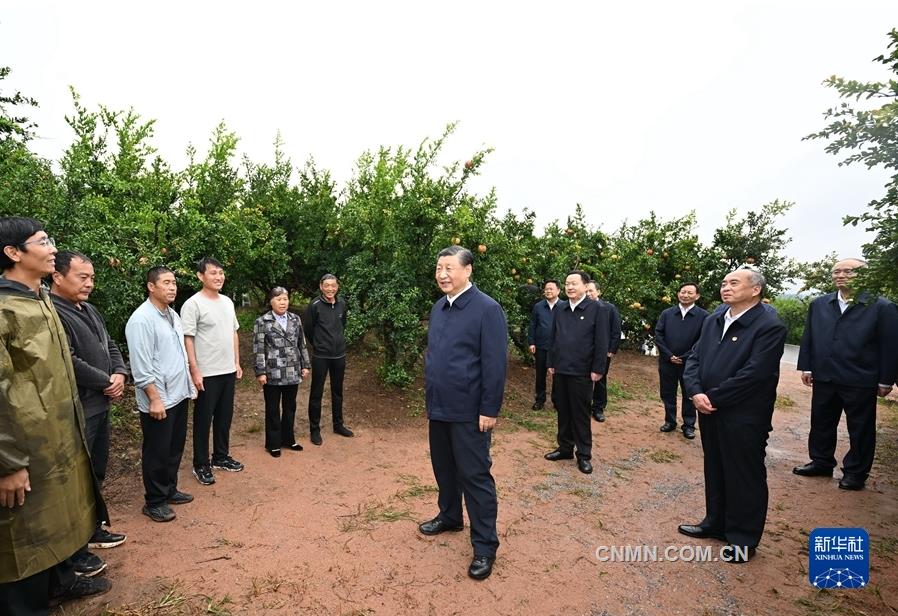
[{"x": 332, "y": 529}]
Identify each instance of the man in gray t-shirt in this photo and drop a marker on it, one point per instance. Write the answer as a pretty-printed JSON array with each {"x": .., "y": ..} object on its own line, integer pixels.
[{"x": 213, "y": 352}]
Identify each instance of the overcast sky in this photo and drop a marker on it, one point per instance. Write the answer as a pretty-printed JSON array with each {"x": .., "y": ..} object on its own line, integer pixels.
[{"x": 623, "y": 108}]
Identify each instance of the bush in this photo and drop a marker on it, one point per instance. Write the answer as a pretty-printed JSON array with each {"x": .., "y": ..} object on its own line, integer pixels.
[{"x": 793, "y": 311}]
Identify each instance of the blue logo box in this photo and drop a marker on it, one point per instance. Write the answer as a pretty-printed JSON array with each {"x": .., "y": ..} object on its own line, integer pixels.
[{"x": 839, "y": 558}]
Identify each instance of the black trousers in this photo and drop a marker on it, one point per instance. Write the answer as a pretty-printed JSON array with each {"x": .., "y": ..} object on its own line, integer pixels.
[
  {"x": 571, "y": 397},
  {"x": 542, "y": 359},
  {"x": 460, "y": 455},
  {"x": 214, "y": 408},
  {"x": 600, "y": 390},
  {"x": 163, "y": 446},
  {"x": 280, "y": 411},
  {"x": 735, "y": 477},
  {"x": 827, "y": 402},
  {"x": 669, "y": 377},
  {"x": 321, "y": 367},
  {"x": 31, "y": 596},
  {"x": 96, "y": 431}
]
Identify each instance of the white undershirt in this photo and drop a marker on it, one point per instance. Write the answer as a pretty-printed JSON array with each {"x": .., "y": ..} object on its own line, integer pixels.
[{"x": 452, "y": 298}]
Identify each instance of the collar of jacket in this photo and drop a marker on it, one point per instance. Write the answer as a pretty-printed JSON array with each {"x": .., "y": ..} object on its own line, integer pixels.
[
  {"x": 64, "y": 303},
  {"x": 11, "y": 287},
  {"x": 862, "y": 298},
  {"x": 462, "y": 300},
  {"x": 581, "y": 306},
  {"x": 747, "y": 317}
]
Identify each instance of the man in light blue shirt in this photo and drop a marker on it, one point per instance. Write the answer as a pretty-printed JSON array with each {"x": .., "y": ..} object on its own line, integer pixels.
[{"x": 163, "y": 387}]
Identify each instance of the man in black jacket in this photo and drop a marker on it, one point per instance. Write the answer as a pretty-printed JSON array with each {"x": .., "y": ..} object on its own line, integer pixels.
[
  {"x": 600, "y": 389},
  {"x": 677, "y": 330},
  {"x": 578, "y": 354},
  {"x": 731, "y": 377},
  {"x": 99, "y": 373},
  {"x": 848, "y": 356},
  {"x": 538, "y": 338},
  {"x": 324, "y": 322}
]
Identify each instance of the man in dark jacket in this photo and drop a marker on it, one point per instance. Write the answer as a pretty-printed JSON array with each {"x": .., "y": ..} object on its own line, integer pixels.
[
  {"x": 49, "y": 503},
  {"x": 849, "y": 355},
  {"x": 600, "y": 389},
  {"x": 538, "y": 337},
  {"x": 578, "y": 354},
  {"x": 99, "y": 372},
  {"x": 464, "y": 382},
  {"x": 677, "y": 330},
  {"x": 731, "y": 377},
  {"x": 324, "y": 322}
]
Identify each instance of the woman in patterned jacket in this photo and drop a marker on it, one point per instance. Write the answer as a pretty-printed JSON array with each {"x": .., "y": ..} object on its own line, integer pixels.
[{"x": 281, "y": 363}]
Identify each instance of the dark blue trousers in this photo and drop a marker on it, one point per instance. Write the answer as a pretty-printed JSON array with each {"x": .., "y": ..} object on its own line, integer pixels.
[
  {"x": 735, "y": 477},
  {"x": 669, "y": 377},
  {"x": 460, "y": 454}
]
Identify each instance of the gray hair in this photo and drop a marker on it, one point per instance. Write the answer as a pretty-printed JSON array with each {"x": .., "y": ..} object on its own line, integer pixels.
[
  {"x": 465, "y": 256},
  {"x": 755, "y": 277}
]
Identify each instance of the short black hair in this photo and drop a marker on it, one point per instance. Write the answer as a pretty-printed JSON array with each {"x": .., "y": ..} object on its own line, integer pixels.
[
  {"x": 327, "y": 277},
  {"x": 465, "y": 256},
  {"x": 64, "y": 260},
  {"x": 15, "y": 231},
  {"x": 553, "y": 281},
  {"x": 154, "y": 273},
  {"x": 690, "y": 284},
  {"x": 583, "y": 275},
  {"x": 205, "y": 262}
]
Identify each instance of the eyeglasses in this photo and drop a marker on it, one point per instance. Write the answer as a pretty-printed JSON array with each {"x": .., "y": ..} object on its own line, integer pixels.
[
  {"x": 44, "y": 242},
  {"x": 848, "y": 271}
]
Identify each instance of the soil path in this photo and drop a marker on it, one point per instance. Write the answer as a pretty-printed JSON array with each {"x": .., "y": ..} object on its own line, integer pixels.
[{"x": 332, "y": 529}]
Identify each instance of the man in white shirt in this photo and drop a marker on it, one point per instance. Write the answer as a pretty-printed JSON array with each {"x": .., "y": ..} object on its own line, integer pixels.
[
  {"x": 213, "y": 351},
  {"x": 848, "y": 355}
]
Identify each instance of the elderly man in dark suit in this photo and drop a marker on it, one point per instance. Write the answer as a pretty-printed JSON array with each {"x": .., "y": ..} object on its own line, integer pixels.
[
  {"x": 538, "y": 338},
  {"x": 848, "y": 355},
  {"x": 731, "y": 378},
  {"x": 600, "y": 389},
  {"x": 464, "y": 383}
]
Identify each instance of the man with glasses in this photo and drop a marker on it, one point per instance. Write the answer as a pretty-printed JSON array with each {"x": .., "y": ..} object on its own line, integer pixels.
[
  {"x": 848, "y": 356},
  {"x": 49, "y": 504}
]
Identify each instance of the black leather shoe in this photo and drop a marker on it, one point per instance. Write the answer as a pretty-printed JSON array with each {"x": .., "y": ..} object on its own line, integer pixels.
[
  {"x": 699, "y": 532},
  {"x": 585, "y": 466},
  {"x": 554, "y": 456},
  {"x": 851, "y": 482},
  {"x": 736, "y": 555},
  {"x": 812, "y": 469},
  {"x": 668, "y": 427},
  {"x": 599, "y": 416},
  {"x": 294, "y": 447},
  {"x": 275, "y": 453},
  {"x": 315, "y": 438},
  {"x": 481, "y": 567},
  {"x": 537, "y": 406},
  {"x": 437, "y": 526},
  {"x": 180, "y": 498},
  {"x": 343, "y": 431},
  {"x": 689, "y": 432}
]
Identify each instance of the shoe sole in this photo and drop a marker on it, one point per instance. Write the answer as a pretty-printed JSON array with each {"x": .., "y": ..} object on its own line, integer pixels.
[
  {"x": 851, "y": 488},
  {"x": 717, "y": 537},
  {"x": 105, "y": 545},
  {"x": 179, "y": 502},
  {"x": 225, "y": 468},
  {"x": 89, "y": 574},
  {"x": 813, "y": 473},
  {"x": 201, "y": 482}
]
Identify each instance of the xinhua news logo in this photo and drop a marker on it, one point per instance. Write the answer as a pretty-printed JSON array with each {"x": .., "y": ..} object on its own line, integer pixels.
[
  {"x": 668, "y": 554},
  {"x": 839, "y": 558}
]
